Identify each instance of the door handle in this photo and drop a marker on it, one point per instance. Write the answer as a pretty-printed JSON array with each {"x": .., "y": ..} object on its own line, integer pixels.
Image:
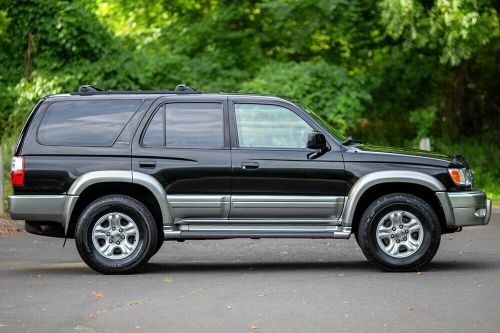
[
  {"x": 147, "y": 164},
  {"x": 249, "y": 165}
]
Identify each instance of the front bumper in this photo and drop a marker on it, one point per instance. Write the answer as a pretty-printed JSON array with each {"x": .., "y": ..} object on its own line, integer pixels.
[{"x": 465, "y": 208}]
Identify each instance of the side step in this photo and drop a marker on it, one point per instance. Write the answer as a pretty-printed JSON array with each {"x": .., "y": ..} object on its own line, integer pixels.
[{"x": 337, "y": 232}]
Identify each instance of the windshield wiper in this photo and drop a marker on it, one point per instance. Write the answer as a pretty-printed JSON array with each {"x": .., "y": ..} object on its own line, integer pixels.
[{"x": 350, "y": 141}]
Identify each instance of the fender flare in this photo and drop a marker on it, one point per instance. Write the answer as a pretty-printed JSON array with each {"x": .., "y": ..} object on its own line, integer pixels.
[
  {"x": 125, "y": 176},
  {"x": 385, "y": 177}
]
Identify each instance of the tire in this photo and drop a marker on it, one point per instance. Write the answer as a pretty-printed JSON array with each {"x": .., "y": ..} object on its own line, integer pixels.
[
  {"x": 399, "y": 232},
  {"x": 116, "y": 234},
  {"x": 159, "y": 242}
]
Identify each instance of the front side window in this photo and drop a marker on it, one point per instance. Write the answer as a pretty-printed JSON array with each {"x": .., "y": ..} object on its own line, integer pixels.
[
  {"x": 95, "y": 123},
  {"x": 187, "y": 125},
  {"x": 270, "y": 126}
]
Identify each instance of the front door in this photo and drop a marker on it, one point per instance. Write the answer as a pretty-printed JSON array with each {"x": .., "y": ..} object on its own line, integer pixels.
[
  {"x": 185, "y": 146},
  {"x": 273, "y": 176}
]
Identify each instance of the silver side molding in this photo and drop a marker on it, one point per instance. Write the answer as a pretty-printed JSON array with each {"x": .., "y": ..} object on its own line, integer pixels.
[
  {"x": 380, "y": 177},
  {"x": 286, "y": 206},
  {"x": 199, "y": 206}
]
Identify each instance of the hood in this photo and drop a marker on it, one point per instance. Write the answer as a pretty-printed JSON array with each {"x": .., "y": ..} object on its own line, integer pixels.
[{"x": 372, "y": 153}]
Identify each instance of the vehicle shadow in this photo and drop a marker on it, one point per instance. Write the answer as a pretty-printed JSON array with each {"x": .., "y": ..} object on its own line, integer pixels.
[
  {"x": 334, "y": 267},
  {"x": 345, "y": 267}
]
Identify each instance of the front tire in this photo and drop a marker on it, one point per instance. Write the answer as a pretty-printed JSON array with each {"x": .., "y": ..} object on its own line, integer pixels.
[
  {"x": 116, "y": 234},
  {"x": 399, "y": 232}
]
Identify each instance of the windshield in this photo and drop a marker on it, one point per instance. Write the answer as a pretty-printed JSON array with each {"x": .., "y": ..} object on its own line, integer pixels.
[{"x": 333, "y": 132}]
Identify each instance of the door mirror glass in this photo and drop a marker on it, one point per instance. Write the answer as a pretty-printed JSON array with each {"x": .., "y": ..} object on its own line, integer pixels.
[{"x": 316, "y": 140}]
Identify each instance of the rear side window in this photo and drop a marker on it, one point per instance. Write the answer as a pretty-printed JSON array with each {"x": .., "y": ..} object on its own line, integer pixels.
[
  {"x": 85, "y": 123},
  {"x": 187, "y": 125}
]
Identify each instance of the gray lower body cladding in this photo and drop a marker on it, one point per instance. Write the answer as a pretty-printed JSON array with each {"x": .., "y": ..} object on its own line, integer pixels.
[{"x": 318, "y": 217}]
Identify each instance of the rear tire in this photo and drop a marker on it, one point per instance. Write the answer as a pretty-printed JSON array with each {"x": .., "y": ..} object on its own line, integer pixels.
[
  {"x": 116, "y": 234},
  {"x": 399, "y": 232}
]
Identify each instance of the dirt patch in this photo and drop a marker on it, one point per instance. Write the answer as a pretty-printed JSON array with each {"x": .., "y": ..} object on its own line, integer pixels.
[{"x": 8, "y": 226}]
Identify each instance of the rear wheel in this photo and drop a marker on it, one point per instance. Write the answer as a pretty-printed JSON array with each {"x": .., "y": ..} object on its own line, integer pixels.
[
  {"x": 116, "y": 234},
  {"x": 399, "y": 232}
]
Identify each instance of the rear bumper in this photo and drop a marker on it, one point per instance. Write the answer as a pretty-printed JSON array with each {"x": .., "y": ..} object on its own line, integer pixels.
[
  {"x": 42, "y": 210},
  {"x": 465, "y": 208},
  {"x": 37, "y": 207}
]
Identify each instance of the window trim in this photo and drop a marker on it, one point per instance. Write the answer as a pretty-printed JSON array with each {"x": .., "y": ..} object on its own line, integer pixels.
[
  {"x": 236, "y": 143},
  {"x": 146, "y": 127},
  {"x": 48, "y": 105},
  {"x": 163, "y": 105}
]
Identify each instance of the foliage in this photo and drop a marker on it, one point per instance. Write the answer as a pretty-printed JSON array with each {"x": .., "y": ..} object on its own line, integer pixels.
[
  {"x": 389, "y": 71},
  {"x": 338, "y": 96}
]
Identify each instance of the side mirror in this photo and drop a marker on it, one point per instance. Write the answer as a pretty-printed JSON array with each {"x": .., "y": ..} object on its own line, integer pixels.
[{"x": 316, "y": 140}]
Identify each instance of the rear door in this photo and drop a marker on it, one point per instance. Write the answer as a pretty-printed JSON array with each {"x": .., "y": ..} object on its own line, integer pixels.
[{"x": 184, "y": 144}]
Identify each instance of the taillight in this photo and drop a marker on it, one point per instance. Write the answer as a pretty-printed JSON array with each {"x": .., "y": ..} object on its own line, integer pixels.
[{"x": 17, "y": 171}]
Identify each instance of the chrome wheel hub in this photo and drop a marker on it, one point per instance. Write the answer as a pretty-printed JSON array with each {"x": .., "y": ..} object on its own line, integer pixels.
[
  {"x": 399, "y": 234},
  {"x": 115, "y": 235}
]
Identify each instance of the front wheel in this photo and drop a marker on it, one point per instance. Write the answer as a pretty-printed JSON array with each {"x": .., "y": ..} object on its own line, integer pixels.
[
  {"x": 399, "y": 232},
  {"x": 116, "y": 234}
]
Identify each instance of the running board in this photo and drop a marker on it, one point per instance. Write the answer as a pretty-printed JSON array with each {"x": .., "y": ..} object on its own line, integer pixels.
[{"x": 205, "y": 232}]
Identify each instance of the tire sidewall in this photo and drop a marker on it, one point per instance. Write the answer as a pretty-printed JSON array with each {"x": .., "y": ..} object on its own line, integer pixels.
[
  {"x": 101, "y": 207},
  {"x": 415, "y": 206}
]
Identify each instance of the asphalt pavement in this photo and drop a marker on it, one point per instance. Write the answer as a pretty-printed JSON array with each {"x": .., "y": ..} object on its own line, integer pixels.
[{"x": 241, "y": 285}]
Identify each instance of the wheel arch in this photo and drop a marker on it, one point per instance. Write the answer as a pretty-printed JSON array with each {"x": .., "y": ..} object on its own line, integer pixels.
[
  {"x": 376, "y": 184},
  {"x": 140, "y": 186}
]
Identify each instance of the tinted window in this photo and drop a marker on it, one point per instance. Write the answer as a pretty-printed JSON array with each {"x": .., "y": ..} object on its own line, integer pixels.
[
  {"x": 270, "y": 126},
  {"x": 194, "y": 125},
  {"x": 85, "y": 123},
  {"x": 154, "y": 135}
]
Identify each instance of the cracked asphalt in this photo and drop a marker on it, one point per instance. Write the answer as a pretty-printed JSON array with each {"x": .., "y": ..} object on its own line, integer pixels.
[{"x": 245, "y": 285}]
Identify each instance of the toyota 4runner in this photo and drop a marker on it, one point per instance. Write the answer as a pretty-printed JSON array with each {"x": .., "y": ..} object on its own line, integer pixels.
[{"x": 123, "y": 171}]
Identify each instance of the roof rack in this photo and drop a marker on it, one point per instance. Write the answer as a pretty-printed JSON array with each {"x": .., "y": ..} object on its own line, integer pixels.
[{"x": 86, "y": 90}]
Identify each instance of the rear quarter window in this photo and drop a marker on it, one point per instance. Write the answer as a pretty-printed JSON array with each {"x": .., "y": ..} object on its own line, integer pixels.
[{"x": 85, "y": 123}]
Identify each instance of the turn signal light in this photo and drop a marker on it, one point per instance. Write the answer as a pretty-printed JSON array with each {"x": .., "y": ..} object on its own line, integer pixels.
[
  {"x": 17, "y": 171},
  {"x": 455, "y": 175},
  {"x": 462, "y": 176}
]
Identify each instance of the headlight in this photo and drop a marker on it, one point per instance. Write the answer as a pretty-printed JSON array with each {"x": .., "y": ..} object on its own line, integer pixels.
[{"x": 462, "y": 176}]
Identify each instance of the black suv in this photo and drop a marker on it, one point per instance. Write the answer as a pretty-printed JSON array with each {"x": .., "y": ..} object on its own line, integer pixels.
[{"x": 123, "y": 171}]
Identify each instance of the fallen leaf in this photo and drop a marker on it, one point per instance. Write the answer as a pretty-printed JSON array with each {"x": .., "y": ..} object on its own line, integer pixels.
[
  {"x": 83, "y": 328},
  {"x": 134, "y": 302},
  {"x": 419, "y": 273},
  {"x": 345, "y": 302},
  {"x": 137, "y": 328},
  {"x": 262, "y": 295},
  {"x": 197, "y": 291},
  {"x": 98, "y": 295},
  {"x": 168, "y": 280},
  {"x": 254, "y": 327},
  {"x": 229, "y": 307}
]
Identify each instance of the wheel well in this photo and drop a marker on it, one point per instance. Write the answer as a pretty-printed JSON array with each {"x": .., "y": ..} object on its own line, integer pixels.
[
  {"x": 379, "y": 190},
  {"x": 97, "y": 190}
]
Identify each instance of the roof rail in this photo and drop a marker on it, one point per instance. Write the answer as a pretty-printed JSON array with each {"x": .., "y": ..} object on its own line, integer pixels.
[
  {"x": 185, "y": 88},
  {"x": 87, "y": 90}
]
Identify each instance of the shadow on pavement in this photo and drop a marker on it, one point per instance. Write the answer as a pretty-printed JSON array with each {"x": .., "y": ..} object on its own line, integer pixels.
[{"x": 79, "y": 268}]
